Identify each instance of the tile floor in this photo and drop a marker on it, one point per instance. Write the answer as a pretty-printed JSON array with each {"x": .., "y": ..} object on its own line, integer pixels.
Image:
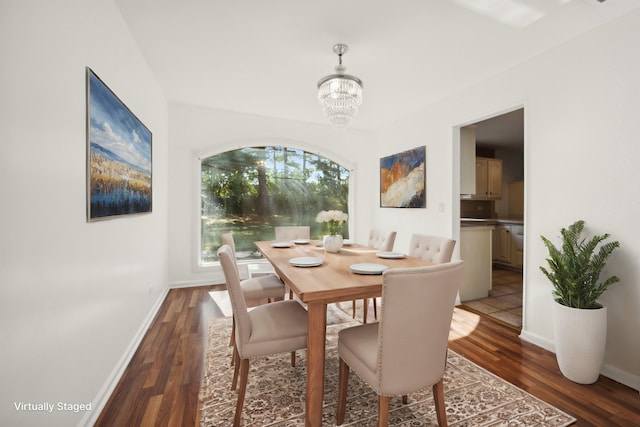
[{"x": 505, "y": 298}]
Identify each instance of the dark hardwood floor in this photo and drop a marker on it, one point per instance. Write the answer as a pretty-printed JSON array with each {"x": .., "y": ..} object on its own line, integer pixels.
[{"x": 160, "y": 386}]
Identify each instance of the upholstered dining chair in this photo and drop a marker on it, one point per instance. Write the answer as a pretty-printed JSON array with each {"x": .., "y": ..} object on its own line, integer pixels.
[
  {"x": 268, "y": 287},
  {"x": 279, "y": 327},
  {"x": 287, "y": 233},
  {"x": 436, "y": 249},
  {"x": 382, "y": 240},
  {"x": 407, "y": 350}
]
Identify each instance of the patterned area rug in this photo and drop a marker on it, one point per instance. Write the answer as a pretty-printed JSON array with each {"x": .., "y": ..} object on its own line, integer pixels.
[{"x": 276, "y": 391}]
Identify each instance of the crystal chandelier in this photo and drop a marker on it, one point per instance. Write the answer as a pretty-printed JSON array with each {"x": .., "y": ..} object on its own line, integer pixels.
[{"x": 340, "y": 94}]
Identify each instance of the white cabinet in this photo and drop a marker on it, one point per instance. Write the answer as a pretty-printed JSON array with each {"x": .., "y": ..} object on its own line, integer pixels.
[
  {"x": 488, "y": 178},
  {"x": 508, "y": 244},
  {"x": 475, "y": 250}
]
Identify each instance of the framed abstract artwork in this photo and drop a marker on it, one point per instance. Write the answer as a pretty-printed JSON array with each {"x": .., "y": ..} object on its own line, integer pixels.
[
  {"x": 119, "y": 162},
  {"x": 403, "y": 179}
]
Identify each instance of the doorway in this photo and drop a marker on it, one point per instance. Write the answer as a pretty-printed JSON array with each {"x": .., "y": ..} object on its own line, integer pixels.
[
  {"x": 500, "y": 139},
  {"x": 504, "y": 302}
]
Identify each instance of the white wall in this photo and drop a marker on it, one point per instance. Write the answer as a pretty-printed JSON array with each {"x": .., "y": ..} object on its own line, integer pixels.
[
  {"x": 581, "y": 162},
  {"x": 198, "y": 132},
  {"x": 421, "y": 130},
  {"x": 73, "y": 295}
]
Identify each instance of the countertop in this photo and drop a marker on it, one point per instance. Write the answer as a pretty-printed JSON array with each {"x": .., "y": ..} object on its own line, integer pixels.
[{"x": 475, "y": 222}]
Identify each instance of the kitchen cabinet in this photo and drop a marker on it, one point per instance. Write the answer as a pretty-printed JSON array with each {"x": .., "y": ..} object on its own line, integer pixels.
[
  {"x": 508, "y": 244},
  {"x": 468, "y": 160},
  {"x": 488, "y": 178},
  {"x": 516, "y": 200},
  {"x": 502, "y": 244},
  {"x": 475, "y": 250},
  {"x": 517, "y": 246}
]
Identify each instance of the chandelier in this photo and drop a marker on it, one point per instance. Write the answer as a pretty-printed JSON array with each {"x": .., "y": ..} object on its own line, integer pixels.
[{"x": 340, "y": 94}]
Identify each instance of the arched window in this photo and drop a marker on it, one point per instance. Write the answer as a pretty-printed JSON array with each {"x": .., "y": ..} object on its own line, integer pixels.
[{"x": 250, "y": 191}]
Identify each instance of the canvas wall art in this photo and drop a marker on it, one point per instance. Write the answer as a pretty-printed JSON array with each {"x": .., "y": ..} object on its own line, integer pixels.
[
  {"x": 119, "y": 162},
  {"x": 403, "y": 179}
]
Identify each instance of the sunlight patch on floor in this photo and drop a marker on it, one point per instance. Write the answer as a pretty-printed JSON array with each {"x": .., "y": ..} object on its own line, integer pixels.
[{"x": 463, "y": 326}]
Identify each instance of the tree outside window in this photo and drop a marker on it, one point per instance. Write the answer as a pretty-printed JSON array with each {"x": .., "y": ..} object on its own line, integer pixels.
[{"x": 250, "y": 191}]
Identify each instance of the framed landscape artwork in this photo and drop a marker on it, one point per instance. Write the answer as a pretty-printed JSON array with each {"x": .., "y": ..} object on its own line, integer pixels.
[
  {"x": 119, "y": 160},
  {"x": 403, "y": 179}
]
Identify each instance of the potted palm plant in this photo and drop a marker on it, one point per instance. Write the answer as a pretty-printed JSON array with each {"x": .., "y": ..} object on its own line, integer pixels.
[{"x": 579, "y": 320}]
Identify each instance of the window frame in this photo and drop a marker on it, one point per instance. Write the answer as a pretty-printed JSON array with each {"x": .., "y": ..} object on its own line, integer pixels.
[{"x": 198, "y": 264}]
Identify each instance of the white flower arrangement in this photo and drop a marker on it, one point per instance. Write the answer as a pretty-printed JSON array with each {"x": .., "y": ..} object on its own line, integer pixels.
[{"x": 334, "y": 220}]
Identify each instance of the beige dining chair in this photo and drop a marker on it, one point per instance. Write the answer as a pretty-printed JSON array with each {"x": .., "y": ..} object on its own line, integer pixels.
[
  {"x": 436, "y": 249},
  {"x": 279, "y": 327},
  {"x": 383, "y": 241},
  {"x": 407, "y": 350},
  {"x": 268, "y": 287},
  {"x": 288, "y": 233}
]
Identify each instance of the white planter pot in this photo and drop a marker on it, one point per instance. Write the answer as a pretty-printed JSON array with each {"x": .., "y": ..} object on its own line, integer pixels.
[
  {"x": 580, "y": 337},
  {"x": 333, "y": 243}
]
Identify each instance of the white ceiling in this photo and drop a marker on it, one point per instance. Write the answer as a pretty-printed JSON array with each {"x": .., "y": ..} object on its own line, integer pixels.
[
  {"x": 505, "y": 131},
  {"x": 266, "y": 57}
]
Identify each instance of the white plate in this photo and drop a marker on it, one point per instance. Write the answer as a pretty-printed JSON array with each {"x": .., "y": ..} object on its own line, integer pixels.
[
  {"x": 301, "y": 241},
  {"x": 306, "y": 261},
  {"x": 281, "y": 245},
  {"x": 390, "y": 255},
  {"x": 368, "y": 268}
]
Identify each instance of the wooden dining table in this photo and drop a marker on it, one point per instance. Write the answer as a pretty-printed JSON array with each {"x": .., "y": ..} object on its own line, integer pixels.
[{"x": 330, "y": 282}]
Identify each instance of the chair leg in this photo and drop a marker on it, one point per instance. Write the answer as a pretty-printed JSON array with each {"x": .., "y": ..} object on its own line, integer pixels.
[
  {"x": 234, "y": 357},
  {"x": 236, "y": 368},
  {"x": 383, "y": 411},
  {"x": 233, "y": 332},
  {"x": 232, "y": 342},
  {"x": 375, "y": 308},
  {"x": 293, "y": 359},
  {"x": 244, "y": 374},
  {"x": 365, "y": 303},
  {"x": 438, "y": 399},
  {"x": 405, "y": 399},
  {"x": 353, "y": 311},
  {"x": 343, "y": 383}
]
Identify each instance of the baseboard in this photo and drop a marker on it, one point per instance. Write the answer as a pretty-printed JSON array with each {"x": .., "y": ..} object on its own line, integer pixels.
[
  {"x": 622, "y": 377},
  {"x": 618, "y": 375},
  {"x": 537, "y": 340},
  {"x": 216, "y": 276},
  {"x": 107, "y": 389},
  {"x": 195, "y": 283}
]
